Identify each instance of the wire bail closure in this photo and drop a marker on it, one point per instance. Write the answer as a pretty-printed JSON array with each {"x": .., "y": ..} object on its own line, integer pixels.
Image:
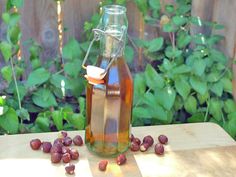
[{"x": 97, "y": 36}]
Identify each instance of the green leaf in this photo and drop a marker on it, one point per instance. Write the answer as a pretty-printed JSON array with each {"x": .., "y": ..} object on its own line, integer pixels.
[
  {"x": 213, "y": 76},
  {"x": 172, "y": 53},
  {"x": 160, "y": 114},
  {"x": 181, "y": 69},
  {"x": 214, "y": 39},
  {"x": 183, "y": 40},
  {"x": 229, "y": 106},
  {"x": 217, "y": 88},
  {"x": 179, "y": 20},
  {"x": 231, "y": 115},
  {"x": 199, "y": 67},
  {"x": 183, "y": 9},
  {"x": 14, "y": 34},
  {"x": 166, "y": 97},
  {"x": 230, "y": 127},
  {"x": 218, "y": 56},
  {"x": 81, "y": 101},
  {"x": 142, "y": 5},
  {"x": 198, "y": 117},
  {"x": 199, "y": 39},
  {"x": 215, "y": 109},
  {"x": 141, "y": 112},
  {"x": 155, "y": 44},
  {"x": 44, "y": 98},
  {"x": 149, "y": 99},
  {"x": 71, "y": 50},
  {"x": 9, "y": 121},
  {"x": 59, "y": 80},
  {"x": 169, "y": 8},
  {"x": 190, "y": 105},
  {"x": 14, "y": 19},
  {"x": 2, "y": 100},
  {"x": 6, "y": 17},
  {"x": 182, "y": 87},
  {"x": 36, "y": 63},
  {"x": 153, "y": 79},
  {"x": 168, "y": 28},
  {"x": 155, "y": 4},
  {"x": 57, "y": 117},
  {"x": 78, "y": 85},
  {"x": 77, "y": 120},
  {"x": 23, "y": 114},
  {"x": 129, "y": 54},
  {"x": 43, "y": 123},
  {"x": 73, "y": 68},
  {"x": 198, "y": 85},
  {"x": 218, "y": 26},
  {"x": 227, "y": 85},
  {"x": 6, "y": 50},
  {"x": 139, "y": 84},
  {"x": 37, "y": 77},
  {"x": 22, "y": 91},
  {"x": 139, "y": 87},
  {"x": 17, "y": 3},
  {"x": 203, "y": 98},
  {"x": 7, "y": 73}
]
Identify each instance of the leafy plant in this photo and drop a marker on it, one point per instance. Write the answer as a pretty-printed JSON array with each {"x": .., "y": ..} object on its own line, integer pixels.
[
  {"x": 192, "y": 82},
  {"x": 186, "y": 78},
  {"x": 45, "y": 101}
]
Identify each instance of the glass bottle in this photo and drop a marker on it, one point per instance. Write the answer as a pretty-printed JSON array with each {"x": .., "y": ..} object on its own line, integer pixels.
[{"x": 109, "y": 104}]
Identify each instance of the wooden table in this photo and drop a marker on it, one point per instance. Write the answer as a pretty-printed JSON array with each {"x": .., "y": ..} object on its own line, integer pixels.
[{"x": 201, "y": 149}]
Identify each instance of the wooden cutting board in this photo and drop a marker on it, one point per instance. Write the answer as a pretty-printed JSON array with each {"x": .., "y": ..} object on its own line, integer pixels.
[{"x": 202, "y": 149}]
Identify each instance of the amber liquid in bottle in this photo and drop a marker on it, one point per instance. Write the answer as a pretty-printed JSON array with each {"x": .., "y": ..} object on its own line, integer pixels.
[{"x": 109, "y": 110}]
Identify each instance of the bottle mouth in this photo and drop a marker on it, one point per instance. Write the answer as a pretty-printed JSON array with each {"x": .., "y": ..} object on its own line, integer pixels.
[{"x": 115, "y": 9}]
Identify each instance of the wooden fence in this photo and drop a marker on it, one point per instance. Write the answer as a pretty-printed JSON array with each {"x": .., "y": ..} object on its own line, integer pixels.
[{"x": 40, "y": 22}]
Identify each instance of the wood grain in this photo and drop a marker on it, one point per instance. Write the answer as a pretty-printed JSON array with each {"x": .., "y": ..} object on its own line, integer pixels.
[
  {"x": 210, "y": 162},
  {"x": 75, "y": 13},
  {"x": 192, "y": 150},
  {"x": 39, "y": 22},
  {"x": 224, "y": 13}
]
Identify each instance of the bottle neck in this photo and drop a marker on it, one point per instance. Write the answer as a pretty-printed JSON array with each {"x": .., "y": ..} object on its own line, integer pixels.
[{"x": 113, "y": 22}]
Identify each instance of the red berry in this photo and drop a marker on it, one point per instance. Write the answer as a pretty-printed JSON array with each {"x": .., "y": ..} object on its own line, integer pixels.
[
  {"x": 70, "y": 168},
  {"x": 46, "y": 147},
  {"x": 148, "y": 139},
  {"x": 102, "y": 165},
  {"x": 144, "y": 147},
  {"x": 64, "y": 134},
  {"x": 159, "y": 149},
  {"x": 121, "y": 159},
  {"x": 74, "y": 154},
  {"x": 55, "y": 157},
  {"x": 137, "y": 141},
  {"x": 67, "y": 141},
  {"x": 35, "y": 144},
  {"x": 163, "y": 139},
  {"x": 134, "y": 146},
  {"x": 66, "y": 158},
  {"x": 65, "y": 149},
  {"x": 131, "y": 137},
  {"x": 58, "y": 141},
  {"x": 77, "y": 140},
  {"x": 56, "y": 148}
]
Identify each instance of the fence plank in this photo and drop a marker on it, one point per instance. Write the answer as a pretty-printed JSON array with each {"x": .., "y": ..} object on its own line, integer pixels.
[
  {"x": 221, "y": 12},
  {"x": 39, "y": 22},
  {"x": 75, "y": 13},
  {"x": 224, "y": 13}
]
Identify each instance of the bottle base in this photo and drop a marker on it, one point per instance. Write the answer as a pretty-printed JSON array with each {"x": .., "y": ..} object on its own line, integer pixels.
[{"x": 100, "y": 151}]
